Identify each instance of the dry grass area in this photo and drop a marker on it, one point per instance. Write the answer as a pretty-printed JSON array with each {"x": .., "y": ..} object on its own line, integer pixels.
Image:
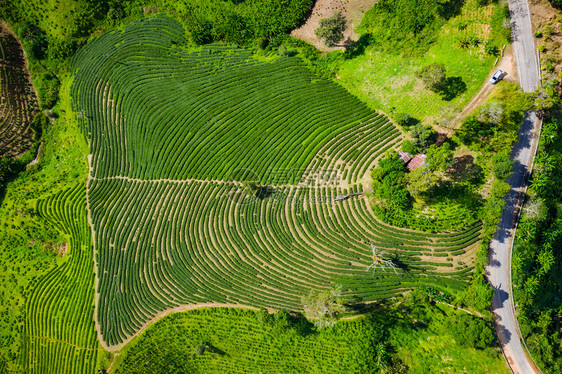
[
  {"x": 352, "y": 10},
  {"x": 547, "y": 25}
]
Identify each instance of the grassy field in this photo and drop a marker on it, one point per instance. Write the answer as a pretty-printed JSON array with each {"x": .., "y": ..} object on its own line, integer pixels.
[{"x": 387, "y": 81}]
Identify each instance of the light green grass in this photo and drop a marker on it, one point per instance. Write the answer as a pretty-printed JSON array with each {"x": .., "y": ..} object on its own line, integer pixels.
[
  {"x": 421, "y": 333},
  {"x": 435, "y": 353},
  {"x": 387, "y": 81}
]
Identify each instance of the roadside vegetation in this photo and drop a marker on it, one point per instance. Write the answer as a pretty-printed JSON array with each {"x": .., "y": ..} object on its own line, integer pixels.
[{"x": 537, "y": 255}]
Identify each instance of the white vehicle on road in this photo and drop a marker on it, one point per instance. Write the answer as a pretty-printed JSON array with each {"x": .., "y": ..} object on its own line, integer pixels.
[{"x": 496, "y": 77}]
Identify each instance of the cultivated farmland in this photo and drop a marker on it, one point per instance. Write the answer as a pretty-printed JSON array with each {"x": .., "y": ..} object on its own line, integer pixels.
[
  {"x": 172, "y": 129},
  {"x": 62, "y": 335},
  {"x": 18, "y": 104}
]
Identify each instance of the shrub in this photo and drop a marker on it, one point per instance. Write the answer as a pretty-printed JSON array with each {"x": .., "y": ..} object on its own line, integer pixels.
[
  {"x": 433, "y": 76},
  {"x": 422, "y": 137},
  {"x": 472, "y": 332},
  {"x": 331, "y": 29},
  {"x": 47, "y": 90},
  {"x": 202, "y": 33},
  {"x": 502, "y": 166}
]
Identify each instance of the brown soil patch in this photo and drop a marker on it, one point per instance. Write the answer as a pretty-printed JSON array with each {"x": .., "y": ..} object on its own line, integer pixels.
[
  {"x": 547, "y": 20},
  {"x": 352, "y": 10},
  {"x": 18, "y": 99}
]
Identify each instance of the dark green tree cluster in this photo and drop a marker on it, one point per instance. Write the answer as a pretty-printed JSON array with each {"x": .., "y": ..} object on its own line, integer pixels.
[
  {"x": 35, "y": 38},
  {"x": 260, "y": 23},
  {"x": 422, "y": 136},
  {"x": 331, "y": 29},
  {"x": 494, "y": 126},
  {"x": 423, "y": 181},
  {"x": 408, "y": 26},
  {"x": 389, "y": 182},
  {"x": 47, "y": 89},
  {"x": 472, "y": 332}
]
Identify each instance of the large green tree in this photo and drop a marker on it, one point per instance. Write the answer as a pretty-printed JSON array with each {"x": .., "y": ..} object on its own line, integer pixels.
[
  {"x": 331, "y": 29},
  {"x": 433, "y": 76},
  {"x": 421, "y": 181},
  {"x": 439, "y": 159}
]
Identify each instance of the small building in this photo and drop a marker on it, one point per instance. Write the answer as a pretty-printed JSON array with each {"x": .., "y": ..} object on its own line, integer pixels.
[
  {"x": 405, "y": 157},
  {"x": 416, "y": 162}
]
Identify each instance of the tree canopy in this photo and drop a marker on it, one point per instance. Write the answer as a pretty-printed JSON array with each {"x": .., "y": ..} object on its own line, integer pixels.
[
  {"x": 389, "y": 182},
  {"x": 331, "y": 29},
  {"x": 433, "y": 76}
]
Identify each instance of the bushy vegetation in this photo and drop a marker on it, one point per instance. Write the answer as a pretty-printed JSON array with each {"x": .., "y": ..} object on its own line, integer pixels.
[
  {"x": 422, "y": 136},
  {"x": 491, "y": 131},
  {"x": 493, "y": 128},
  {"x": 432, "y": 197},
  {"x": 389, "y": 182},
  {"x": 407, "y": 26},
  {"x": 473, "y": 332}
]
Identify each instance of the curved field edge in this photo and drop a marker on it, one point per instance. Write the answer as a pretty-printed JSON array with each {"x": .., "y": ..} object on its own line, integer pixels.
[{"x": 163, "y": 241}]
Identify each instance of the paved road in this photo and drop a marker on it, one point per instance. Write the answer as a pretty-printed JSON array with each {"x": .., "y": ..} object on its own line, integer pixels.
[
  {"x": 499, "y": 267},
  {"x": 524, "y": 45}
]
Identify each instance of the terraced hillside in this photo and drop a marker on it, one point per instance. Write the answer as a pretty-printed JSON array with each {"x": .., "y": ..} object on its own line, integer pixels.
[
  {"x": 59, "y": 324},
  {"x": 213, "y": 178},
  {"x": 18, "y": 103}
]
